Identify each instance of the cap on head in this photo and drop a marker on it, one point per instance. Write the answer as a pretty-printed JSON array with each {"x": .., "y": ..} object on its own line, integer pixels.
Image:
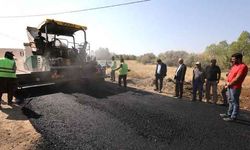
[
  {"x": 9, "y": 55},
  {"x": 197, "y": 63}
]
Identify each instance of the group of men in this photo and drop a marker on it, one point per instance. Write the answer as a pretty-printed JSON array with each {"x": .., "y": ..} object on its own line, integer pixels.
[
  {"x": 211, "y": 74},
  {"x": 211, "y": 77},
  {"x": 123, "y": 71}
]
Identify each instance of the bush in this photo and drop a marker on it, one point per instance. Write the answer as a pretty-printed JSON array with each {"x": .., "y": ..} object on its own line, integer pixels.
[{"x": 148, "y": 58}]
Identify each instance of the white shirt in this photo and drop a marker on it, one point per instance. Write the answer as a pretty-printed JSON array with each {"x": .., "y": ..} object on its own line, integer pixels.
[
  {"x": 113, "y": 65},
  {"x": 158, "y": 68},
  {"x": 178, "y": 69}
]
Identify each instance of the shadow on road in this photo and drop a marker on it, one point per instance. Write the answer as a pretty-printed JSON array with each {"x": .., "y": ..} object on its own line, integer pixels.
[
  {"x": 243, "y": 122},
  {"x": 244, "y": 118},
  {"x": 97, "y": 90},
  {"x": 13, "y": 113},
  {"x": 30, "y": 114}
]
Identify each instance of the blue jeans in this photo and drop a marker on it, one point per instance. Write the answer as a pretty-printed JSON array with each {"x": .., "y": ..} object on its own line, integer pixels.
[
  {"x": 197, "y": 86},
  {"x": 233, "y": 100}
]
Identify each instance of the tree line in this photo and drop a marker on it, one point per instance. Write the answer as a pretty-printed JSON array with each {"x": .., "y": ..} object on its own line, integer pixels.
[
  {"x": 105, "y": 54},
  {"x": 221, "y": 51}
]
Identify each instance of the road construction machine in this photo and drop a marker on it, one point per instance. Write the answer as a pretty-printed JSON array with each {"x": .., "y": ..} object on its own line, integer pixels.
[{"x": 60, "y": 55}]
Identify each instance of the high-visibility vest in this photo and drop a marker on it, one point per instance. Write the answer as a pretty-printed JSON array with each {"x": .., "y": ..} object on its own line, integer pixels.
[
  {"x": 124, "y": 69},
  {"x": 7, "y": 68}
]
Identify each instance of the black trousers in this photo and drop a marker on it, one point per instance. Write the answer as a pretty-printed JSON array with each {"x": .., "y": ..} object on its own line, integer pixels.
[
  {"x": 178, "y": 88},
  {"x": 8, "y": 85},
  {"x": 124, "y": 78},
  {"x": 157, "y": 79}
]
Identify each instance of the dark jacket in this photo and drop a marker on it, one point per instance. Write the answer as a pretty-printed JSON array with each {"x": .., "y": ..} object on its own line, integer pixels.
[
  {"x": 213, "y": 73},
  {"x": 180, "y": 74},
  {"x": 163, "y": 71}
]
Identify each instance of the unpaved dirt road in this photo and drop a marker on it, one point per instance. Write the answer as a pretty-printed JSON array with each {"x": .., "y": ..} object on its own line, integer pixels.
[
  {"x": 110, "y": 117},
  {"x": 16, "y": 131}
]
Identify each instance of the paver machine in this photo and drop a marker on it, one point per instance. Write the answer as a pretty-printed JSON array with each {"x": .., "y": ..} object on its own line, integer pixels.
[{"x": 63, "y": 56}]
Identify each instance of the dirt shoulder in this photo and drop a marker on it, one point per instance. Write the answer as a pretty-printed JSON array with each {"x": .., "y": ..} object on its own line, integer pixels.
[{"x": 16, "y": 131}]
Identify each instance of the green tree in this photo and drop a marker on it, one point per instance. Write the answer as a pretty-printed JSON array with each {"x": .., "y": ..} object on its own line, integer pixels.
[
  {"x": 242, "y": 45},
  {"x": 191, "y": 59},
  {"x": 220, "y": 52}
]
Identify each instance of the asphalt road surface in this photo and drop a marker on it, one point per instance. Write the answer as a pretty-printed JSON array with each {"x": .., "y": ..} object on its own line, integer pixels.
[{"x": 112, "y": 118}]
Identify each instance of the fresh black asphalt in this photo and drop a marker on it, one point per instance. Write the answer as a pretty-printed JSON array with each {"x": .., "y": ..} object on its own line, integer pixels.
[{"x": 112, "y": 118}]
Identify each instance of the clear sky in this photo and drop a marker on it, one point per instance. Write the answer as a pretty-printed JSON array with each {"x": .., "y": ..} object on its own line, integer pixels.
[{"x": 153, "y": 26}]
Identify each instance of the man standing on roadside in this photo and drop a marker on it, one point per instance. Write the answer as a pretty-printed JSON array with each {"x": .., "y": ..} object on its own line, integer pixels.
[
  {"x": 7, "y": 76},
  {"x": 235, "y": 79},
  {"x": 180, "y": 78},
  {"x": 113, "y": 67},
  {"x": 160, "y": 73},
  {"x": 213, "y": 74},
  {"x": 123, "y": 71},
  {"x": 198, "y": 81}
]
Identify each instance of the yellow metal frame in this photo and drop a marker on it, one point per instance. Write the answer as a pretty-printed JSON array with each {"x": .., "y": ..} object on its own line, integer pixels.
[{"x": 66, "y": 24}]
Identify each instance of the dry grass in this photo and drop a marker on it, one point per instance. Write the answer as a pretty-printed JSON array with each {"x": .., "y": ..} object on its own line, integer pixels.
[{"x": 142, "y": 77}]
